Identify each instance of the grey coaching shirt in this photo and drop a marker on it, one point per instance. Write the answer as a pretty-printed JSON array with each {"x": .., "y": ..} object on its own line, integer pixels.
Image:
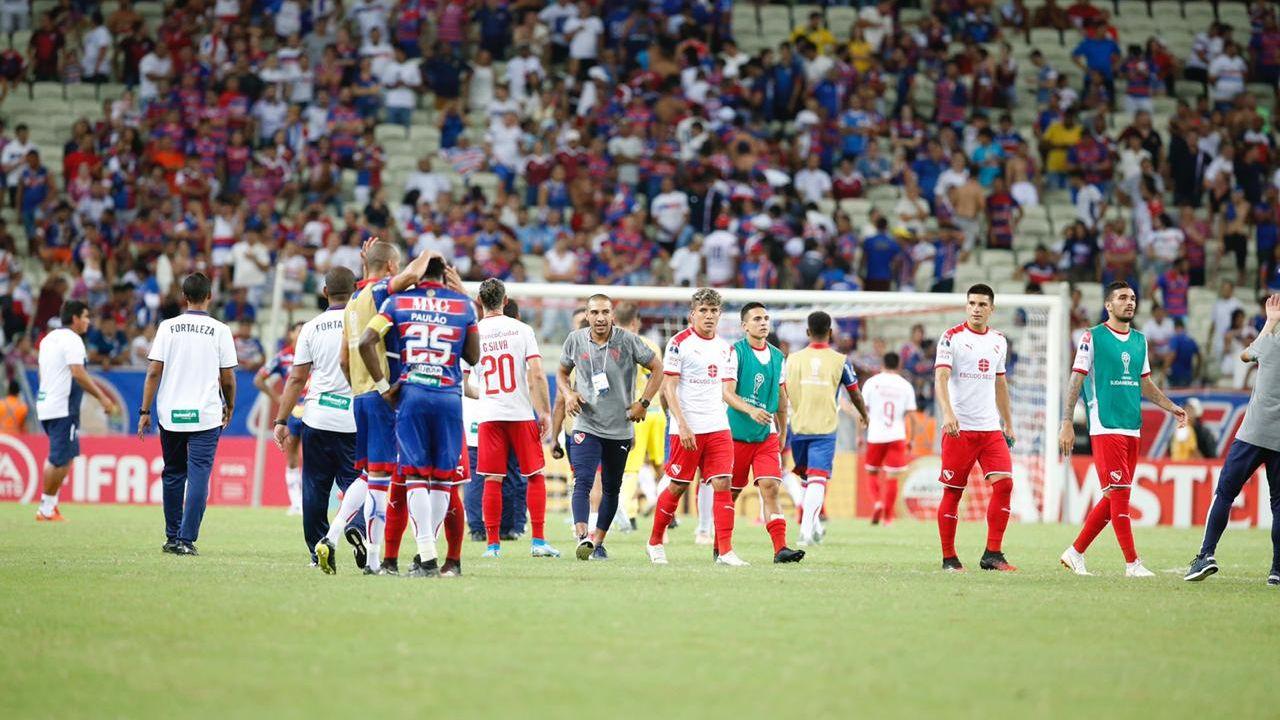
[
  {"x": 604, "y": 411},
  {"x": 1261, "y": 424}
]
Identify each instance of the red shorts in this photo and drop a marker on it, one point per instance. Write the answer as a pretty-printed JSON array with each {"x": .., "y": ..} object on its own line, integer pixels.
[
  {"x": 498, "y": 438},
  {"x": 985, "y": 447},
  {"x": 760, "y": 460},
  {"x": 713, "y": 455},
  {"x": 888, "y": 456},
  {"x": 1115, "y": 457}
]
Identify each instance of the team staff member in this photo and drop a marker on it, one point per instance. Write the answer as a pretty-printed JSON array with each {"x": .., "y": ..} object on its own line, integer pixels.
[
  {"x": 328, "y": 426},
  {"x": 193, "y": 361},
  {"x": 599, "y": 397},
  {"x": 61, "y": 360}
]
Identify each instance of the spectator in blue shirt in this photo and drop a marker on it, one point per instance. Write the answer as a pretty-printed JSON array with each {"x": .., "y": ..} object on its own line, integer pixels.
[
  {"x": 106, "y": 342},
  {"x": 989, "y": 157},
  {"x": 1182, "y": 357},
  {"x": 1099, "y": 53},
  {"x": 239, "y": 308},
  {"x": 928, "y": 168},
  {"x": 878, "y": 253}
]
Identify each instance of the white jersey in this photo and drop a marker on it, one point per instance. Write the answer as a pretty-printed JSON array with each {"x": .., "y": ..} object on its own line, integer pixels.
[
  {"x": 506, "y": 347},
  {"x": 704, "y": 365},
  {"x": 195, "y": 349},
  {"x": 59, "y": 393},
  {"x": 975, "y": 361},
  {"x": 889, "y": 398},
  {"x": 328, "y": 404},
  {"x": 470, "y": 407}
]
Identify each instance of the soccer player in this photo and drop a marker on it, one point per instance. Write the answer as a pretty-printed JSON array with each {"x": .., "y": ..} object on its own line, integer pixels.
[
  {"x": 696, "y": 365},
  {"x": 1257, "y": 443},
  {"x": 814, "y": 378},
  {"x": 436, "y": 328},
  {"x": 191, "y": 378},
  {"x": 375, "y": 419},
  {"x": 61, "y": 360},
  {"x": 1112, "y": 367},
  {"x": 279, "y": 366},
  {"x": 889, "y": 398},
  {"x": 328, "y": 428},
  {"x": 515, "y": 414},
  {"x": 649, "y": 451},
  {"x": 757, "y": 400},
  {"x": 973, "y": 394},
  {"x": 603, "y": 359}
]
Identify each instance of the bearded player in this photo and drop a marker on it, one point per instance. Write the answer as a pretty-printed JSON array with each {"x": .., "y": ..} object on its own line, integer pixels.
[
  {"x": 889, "y": 398},
  {"x": 696, "y": 364},
  {"x": 1112, "y": 368},
  {"x": 973, "y": 394},
  {"x": 757, "y": 399}
]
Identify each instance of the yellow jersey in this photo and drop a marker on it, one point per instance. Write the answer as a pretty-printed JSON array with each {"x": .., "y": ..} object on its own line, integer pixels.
[
  {"x": 814, "y": 378},
  {"x": 360, "y": 310}
]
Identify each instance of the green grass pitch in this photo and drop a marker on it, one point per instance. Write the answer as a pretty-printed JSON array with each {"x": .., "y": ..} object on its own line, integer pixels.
[{"x": 98, "y": 623}]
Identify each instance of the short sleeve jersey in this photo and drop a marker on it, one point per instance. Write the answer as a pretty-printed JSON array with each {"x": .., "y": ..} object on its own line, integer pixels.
[
  {"x": 814, "y": 378},
  {"x": 976, "y": 360},
  {"x": 328, "y": 405},
  {"x": 506, "y": 347},
  {"x": 195, "y": 349},
  {"x": 1113, "y": 364},
  {"x": 59, "y": 394},
  {"x": 1261, "y": 424},
  {"x": 703, "y": 366},
  {"x": 889, "y": 398},
  {"x": 431, "y": 324}
]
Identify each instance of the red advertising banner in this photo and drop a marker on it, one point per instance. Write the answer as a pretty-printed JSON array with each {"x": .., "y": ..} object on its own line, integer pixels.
[{"x": 124, "y": 469}]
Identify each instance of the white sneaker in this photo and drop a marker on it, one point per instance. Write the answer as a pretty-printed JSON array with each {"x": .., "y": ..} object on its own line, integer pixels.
[
  {"x": 1074, "y": 561},
  {"x": 1137, "y": 569},
  {"x": 703, "y": 538},
  {"x": 819, "y": 532},
  {"x": 731, "y": 559},
  {"x": 802, "y": 541},
  {"x": 657, "y": 554}
]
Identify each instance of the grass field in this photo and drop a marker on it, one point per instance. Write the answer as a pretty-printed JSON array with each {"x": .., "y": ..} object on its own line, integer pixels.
[{"x": 98, "y": 623}]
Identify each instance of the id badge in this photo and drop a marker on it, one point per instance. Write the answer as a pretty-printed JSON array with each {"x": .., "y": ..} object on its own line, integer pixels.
[{"x": 600, "y": 383}]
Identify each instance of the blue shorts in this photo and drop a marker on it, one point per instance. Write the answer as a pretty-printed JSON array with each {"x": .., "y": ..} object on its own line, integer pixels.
[
  {"x": 294, "y": 425},
  {"x": 64, "y": 439},
  {"x": 375, "y": 434},
  {"x": 429, "y": 433},
  {"x": 814, "y": 455}
]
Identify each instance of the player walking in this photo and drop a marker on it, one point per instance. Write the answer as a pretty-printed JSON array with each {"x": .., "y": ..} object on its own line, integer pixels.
[
  {"x": 1111, "y": 366},
  {"x": 279, "y": 366},
  {"x": 757, "y": 399},
  {"x": 973, "y": 393},
  {"x": 436, "y": 329},
  {"x": 696, "y": 365},
  {"x": 63, "y": 381},
  {"x": 889, "y": 398},
  {"x": 814, "y": 378},
  {"x": 515, "y": 414},
  {"x": 1257, "y": 444}
]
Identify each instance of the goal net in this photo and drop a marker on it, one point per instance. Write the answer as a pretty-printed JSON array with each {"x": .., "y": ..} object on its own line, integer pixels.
[{"x": 867, "y": 325}]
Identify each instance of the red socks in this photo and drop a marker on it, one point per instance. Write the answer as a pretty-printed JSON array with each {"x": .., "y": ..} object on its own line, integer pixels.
[
  {"x": 722, "y": 511},
  {"x": 998, "y": 513},
  {"x": 491, "y": 505},
  {"x": 873, "y": 488},
  {"x": 777, "y": 529},
  {"x": 889, "y": 497},
  {"x": 1093, "y": 524},
  {"x": 397, "y": 520},
  {"x": 455, "y": 525},
  {"x": 1120, "y": 523},
  {"x": 948, "y": 518},
  {"x": 663, "y": 512},
  {"x": 537, "y": 502}
]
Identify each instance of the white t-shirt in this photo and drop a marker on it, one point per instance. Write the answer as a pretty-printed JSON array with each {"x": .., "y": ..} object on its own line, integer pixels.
[
  {"x": 506, "y": 347},
  {"x": 328, "y": 405},
  {"x": 685, "y": 266},
  {"x": 1230, "y": 73},
  {"x": 15, "y": 153},
  {"x": 270, "y": 116},
  {"x": 889, "y": 398},
  {"x": 585, "y": 42},
  {"x": 405, "y": 74},
  {"x": 670, "y": 210},
  {"x": 504, "y": 143},
  {"x": 152, "y": 64},
  {"x": 1088, "y": 201},
  {"x": 704, "y": 365},
  {"x": 1167, "y": 244},
  {"x": 720, "y": 248},
  {"x": 1158, "y": 333},
  {"x": 59, "y": 394},
  {"x": 470, "y": 407},
  {"x": 98, "y": 40},
  {"x": 813, "y": 185},
  {"x": 245, "y": 271},
  {"x": 975, "y": 361},
  {"x": 195, "y": 349}
]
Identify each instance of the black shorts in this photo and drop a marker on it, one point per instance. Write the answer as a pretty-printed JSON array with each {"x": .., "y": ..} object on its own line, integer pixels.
[{"x": 1239, "y": 245}]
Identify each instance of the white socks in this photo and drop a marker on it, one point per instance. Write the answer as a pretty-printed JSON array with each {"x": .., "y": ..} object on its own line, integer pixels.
[
  {"x": 621, "y": 520},
  {"x": 293, "y": 483},
  {"x": 706, "y": 498},
  {"x": 424, "y": 525},
  {"x": 439, "y": 511},
  {"x": 814, "y": 494},
  {"x": 795, "y": 489},
  {"x": 48, "y": 503},
  {"x": 375, "y": 523},
  {"x": 648, "y": 483},
  {"x": 352, "y": 504}
]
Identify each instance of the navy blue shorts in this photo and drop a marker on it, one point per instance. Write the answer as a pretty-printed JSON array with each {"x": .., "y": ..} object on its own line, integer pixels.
[
  {"x": 814, "y": 455},
  {"x": 64, "y": 439},
  {"x": 375, "y": 434},
  {"x": 294, "y": 424},
  {"x": 429, "y": 433}
]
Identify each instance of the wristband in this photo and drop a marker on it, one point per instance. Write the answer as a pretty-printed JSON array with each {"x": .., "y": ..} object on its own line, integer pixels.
[
  {"x": 144, "y": 412},
  {"x": 281, "y": 422},
  {"x": 644, "y": 403},
  {"x": 382, "y": 386}
]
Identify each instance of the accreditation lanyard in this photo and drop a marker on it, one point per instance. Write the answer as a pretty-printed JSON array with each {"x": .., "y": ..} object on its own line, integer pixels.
[{"x": 599, "y": 380}]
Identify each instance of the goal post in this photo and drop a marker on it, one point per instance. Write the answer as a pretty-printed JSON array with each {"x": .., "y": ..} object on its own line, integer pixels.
[{"x": 1035, "y": 324}]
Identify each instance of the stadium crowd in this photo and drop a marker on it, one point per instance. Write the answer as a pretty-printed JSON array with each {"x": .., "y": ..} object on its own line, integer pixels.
[{"x": 631, "y": 143}]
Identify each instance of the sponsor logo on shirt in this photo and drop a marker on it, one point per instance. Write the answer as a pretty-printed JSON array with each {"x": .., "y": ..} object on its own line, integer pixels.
[{"x": 180, "y": 417}]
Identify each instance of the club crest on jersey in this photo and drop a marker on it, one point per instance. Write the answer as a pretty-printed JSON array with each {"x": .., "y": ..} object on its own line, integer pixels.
[
  {"x": 1116, "y": 476},
  {"x": 579, "y": 437},
  {"x": 712, "y": 371},
  {"x": 675, "y": 469},
  {"x": 947, "y": 474},
  {"x": 1126, "y": 359},
  {"x": 983, "y": 365}
]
